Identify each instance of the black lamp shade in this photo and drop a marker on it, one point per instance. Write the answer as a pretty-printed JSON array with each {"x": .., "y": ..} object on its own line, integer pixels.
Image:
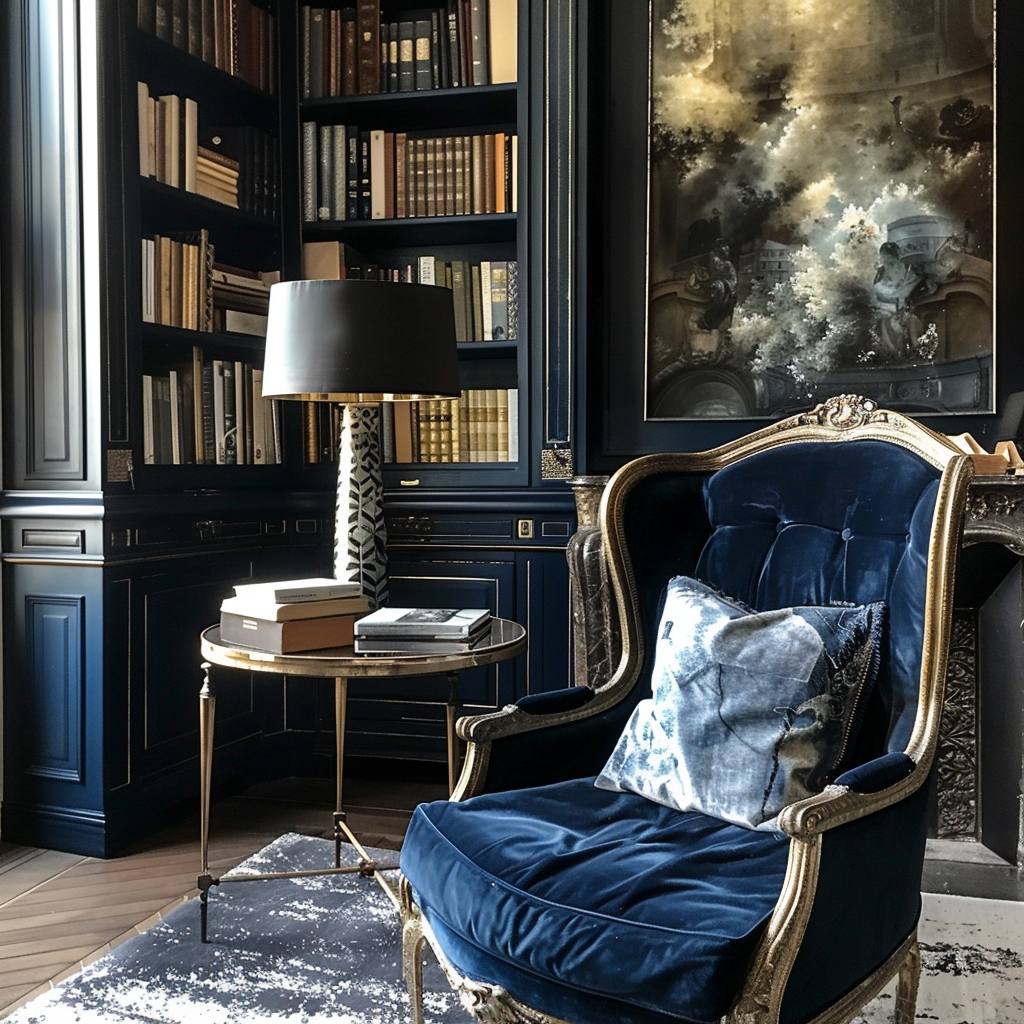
[{"x": 360, "y": 342}]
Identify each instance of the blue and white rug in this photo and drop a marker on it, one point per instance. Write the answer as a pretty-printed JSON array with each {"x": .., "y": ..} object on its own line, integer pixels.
[{"x": 326, "y": 950}]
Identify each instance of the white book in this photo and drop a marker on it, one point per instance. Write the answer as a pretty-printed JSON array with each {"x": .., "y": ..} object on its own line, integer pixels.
[
  {"x": 290, "y": 611},
  {"x": 377, "y": 175},
  {"x": 485, "y": 300},
  {"x": 240, "y": 413},
  {"x": 513, "y": 424},
  {"x": 515, "y": 173},
  {"x": 148, "y": 446},
  {"x": 148, "y": 280},
  {"x": 190, "y": 142},
  {"x": 428, "y": 623},
  {"x": 425, "y": 269},
  {"x": 314, "y": 588},
  {"x": 175, "y": 403},
  {"x": 259, "y": 419}
]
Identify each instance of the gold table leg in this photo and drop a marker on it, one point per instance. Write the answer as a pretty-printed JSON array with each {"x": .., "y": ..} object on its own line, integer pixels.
[
  {"x": 340, "y": 709},
  {"x": 207, "y": 711},
  {"x": 451, "y": 714}
]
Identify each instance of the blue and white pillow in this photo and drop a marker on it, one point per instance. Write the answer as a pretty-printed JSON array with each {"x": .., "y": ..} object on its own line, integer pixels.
[{"x": 751, "y": 711}]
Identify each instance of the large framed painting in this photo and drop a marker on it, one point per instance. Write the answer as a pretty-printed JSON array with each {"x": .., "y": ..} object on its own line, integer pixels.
[{"x": 821, "y": 213}]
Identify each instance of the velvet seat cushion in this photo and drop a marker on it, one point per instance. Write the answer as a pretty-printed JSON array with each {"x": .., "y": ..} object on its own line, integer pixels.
[{"x": 576, "y": 892}]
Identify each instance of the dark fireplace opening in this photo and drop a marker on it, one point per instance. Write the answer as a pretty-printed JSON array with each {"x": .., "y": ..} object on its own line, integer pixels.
[{"x": 976, "y": 845}]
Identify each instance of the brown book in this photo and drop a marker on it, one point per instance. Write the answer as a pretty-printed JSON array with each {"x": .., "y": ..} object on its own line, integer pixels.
[
  {"x": 431, "y": 176},
  {"x": 333, "y": 55},
  {"x": 368, "y": 46},
  {"x": 323, "y": 261},
  {"x": 176, "y": 283},
  {"x": 449, "y": 176},
  {"x": 487, "y": 145},
  {"x": 502, "y": 448},
  {"x": 401, "y": 169},
  {"x": 462, "y": 404},
  {"x": 219, "y": 194},
  {"x": 349, "y": 59},
  {"x": 290, "y": 635},
  {"x": 389, "y": 175},
  {"x": 499, "y": 184},
  {"x": 421, "y": 177},
  {"x": 216, "y": 157},
  {"x": 491, "y": 425},
  {"x": 403, "y": 431}
]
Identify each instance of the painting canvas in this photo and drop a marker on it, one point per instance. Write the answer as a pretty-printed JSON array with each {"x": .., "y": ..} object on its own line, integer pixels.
[{"x": 821, "y": 206}]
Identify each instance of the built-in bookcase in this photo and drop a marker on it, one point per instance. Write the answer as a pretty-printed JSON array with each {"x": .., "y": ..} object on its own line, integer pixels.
[{"x": 414, "y": 176}]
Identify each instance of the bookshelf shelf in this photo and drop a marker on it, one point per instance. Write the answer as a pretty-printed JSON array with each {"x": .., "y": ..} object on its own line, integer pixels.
[
  {"x": 429, "y": 108},
  {"x": 157, "y": 337},
  {"x": 466, "y": 229},
  {"x": 169, "y": 68}
]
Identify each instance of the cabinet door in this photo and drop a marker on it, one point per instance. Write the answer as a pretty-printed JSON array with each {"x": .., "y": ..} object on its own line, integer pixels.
[{"x": 406, "y": 718}]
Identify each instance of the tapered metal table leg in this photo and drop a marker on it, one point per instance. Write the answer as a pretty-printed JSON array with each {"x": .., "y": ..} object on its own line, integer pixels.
[
  {"x": 340, "y": 709},
  {"x": 451, "y": 714},
  {"x": 207, "y": 711}
]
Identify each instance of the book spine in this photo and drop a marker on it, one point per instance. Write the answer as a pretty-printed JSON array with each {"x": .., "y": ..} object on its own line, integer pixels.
[
  {"x": 475, "y": 291},
  {"x": 479, "y": 44},
  {"x": 325, "y": 173},
  {"x": 309, "y": 171},
  {"x": 421, "y": 55},
  {"x": 454, "y": 62},
  {"x": 316, "y": 52},
  {"x": 368, "y": 46},
  {"x": 499, "y": 301},
  {"x": 406, "y": 56},
  {"x": 339, "y": 167},
  {"x": 401, "y": 179},
  {"x": 349, "y": 58},
  {"x": 393, "y": 57},
  {"x": 352, "y": 173},
  {"x": 378, "y": 207},
  {"x": 365, "y": 182},
  {"x": 485, "y": 301}
]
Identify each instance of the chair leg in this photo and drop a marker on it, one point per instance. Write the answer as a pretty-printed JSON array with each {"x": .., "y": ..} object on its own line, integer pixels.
[
  {"x": 906, "y": 987},
  {"x": 412, "y": 963}
]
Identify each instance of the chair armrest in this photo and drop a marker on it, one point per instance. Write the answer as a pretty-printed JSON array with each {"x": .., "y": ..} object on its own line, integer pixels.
[
  {"x": 555, "y": 700},
  {"x": 545, "y": 738},
  {"x": 861, "y": 791}
]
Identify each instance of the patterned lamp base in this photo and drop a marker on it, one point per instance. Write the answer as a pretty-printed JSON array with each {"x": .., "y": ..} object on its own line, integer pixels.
[{"x": 360, "y": 537}]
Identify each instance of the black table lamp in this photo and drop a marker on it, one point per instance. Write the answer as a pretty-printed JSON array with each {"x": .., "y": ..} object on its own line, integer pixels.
[{"x": 360, "y": 343}]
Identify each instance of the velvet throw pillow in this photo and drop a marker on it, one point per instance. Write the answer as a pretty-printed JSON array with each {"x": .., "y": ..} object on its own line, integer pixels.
[{"x": 751, "y": 711}]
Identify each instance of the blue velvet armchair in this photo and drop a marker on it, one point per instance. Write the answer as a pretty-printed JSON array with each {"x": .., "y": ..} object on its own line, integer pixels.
[{"x": 549, "y": 898}]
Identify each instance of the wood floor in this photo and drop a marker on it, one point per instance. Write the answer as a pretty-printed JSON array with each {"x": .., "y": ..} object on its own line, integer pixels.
[{"x": 60, "y": 911}]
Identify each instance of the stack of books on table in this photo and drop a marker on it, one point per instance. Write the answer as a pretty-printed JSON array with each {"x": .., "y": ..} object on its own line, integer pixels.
[
  {"x": 421, "y": 630},
  {"x": 292, "y": 615}
]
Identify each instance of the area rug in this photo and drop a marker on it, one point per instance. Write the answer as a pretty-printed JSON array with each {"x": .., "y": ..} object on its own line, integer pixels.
[{"x": 325, "y": 949}]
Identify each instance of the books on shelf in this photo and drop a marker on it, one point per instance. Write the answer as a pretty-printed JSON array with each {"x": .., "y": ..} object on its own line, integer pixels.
[
  {"x": 350, "y": 51},
  {"x": 313, "y": 588},
  {"x": 237, "y": 36},
  {"x": 236, "y": 166},
  {"x": 209, "y": 411},
  {"x": 289, "y": 636},
  {"x": 424, "y": 623},
  {"x": 353, "y": 173}
]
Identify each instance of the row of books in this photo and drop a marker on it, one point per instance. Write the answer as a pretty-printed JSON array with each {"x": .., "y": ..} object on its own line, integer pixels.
[
  {"x": 237, "y": 36},
  {"x": 485, "y": 294},
  {"x": 353, "y": 174},
  {"x": 350, "y": 51},
  {"x": 292, "y": 615},
  {"x": 237, "y": 166},
  {"x": 481, "y": 426},
  {"x": 211, "y": 412},
  {"x": 183, "y": 286}
]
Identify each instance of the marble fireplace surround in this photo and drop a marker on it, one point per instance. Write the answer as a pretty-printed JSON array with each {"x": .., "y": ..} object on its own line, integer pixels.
[{"x": 977, "y": 844}]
